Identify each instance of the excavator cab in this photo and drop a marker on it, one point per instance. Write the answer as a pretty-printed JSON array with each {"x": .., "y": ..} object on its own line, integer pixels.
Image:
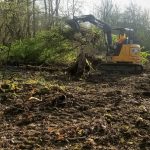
[{"x": 125, "y": 35}]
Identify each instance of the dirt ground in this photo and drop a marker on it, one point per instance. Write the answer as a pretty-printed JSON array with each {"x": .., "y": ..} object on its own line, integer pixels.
[{"x": 48, "y": 110}]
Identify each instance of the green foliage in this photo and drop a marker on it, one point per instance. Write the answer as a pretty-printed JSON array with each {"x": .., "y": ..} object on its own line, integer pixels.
[
  {"x": 27, "y": 50},
  {"x": 98, "y": 36},
  {"x": 4, "y": 50},
  {"x": 46, "y": 47},
  {"x": 13, "y": 20},
  {"x": 52, "y": 46},
  {"x": 145, "y": 56},
  {"x": 114, "y": 38},
  {"x": 56, "y": 46}
]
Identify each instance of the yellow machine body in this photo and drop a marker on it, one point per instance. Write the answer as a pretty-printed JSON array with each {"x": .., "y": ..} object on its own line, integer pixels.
[{"x": 129, "y": 53}]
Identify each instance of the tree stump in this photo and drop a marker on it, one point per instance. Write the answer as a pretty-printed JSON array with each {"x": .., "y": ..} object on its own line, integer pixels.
[{"x": 80, "y": 66}]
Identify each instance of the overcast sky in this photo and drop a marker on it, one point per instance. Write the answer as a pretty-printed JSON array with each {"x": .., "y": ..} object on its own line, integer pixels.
[{"x": 89, "y": 5}]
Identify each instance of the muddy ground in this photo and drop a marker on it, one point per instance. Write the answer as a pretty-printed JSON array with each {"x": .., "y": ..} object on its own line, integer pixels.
[{"x": 49, "y": 110}]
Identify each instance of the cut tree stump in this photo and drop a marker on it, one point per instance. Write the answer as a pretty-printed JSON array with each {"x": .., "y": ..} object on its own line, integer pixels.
[
  {"x": 77, "y": 68},
  {"x": 81, "y": 66}
]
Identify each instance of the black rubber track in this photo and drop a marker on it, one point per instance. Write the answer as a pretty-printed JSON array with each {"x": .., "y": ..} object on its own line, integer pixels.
[{"x": 121, "y": 68}]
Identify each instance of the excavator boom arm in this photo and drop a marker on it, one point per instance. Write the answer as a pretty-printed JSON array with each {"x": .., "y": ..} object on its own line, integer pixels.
[{"x": 98, "y": 23}]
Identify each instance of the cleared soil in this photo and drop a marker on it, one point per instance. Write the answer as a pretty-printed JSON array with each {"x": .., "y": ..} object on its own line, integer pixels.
[{"x": 49, "y": 110}]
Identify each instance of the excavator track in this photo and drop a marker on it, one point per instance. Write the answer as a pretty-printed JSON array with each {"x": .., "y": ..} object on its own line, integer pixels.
[{"x": 121, "y": 68}]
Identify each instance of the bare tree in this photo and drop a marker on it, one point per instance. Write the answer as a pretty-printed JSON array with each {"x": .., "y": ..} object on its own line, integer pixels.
[
  {"x": 45, "y": 6},
  {"x": 57, "y": 7},
  {"x": 71, "y": 8},
  {"x": 105, "y": 10},
  {"x": 50, "y": 12},
  {"x": 34, "y": 19},
  {"x": 28, "y": 18}
]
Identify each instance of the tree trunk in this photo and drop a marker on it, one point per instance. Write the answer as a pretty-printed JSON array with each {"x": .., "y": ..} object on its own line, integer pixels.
[
  {"x": 33, "y": 22},
  {"x": 80, "y": 66},
  {"x": 73, "y": 8},
  {"x": 28, "y": 20},
  {"x": 57, "y": 7},
  {"x": 45, "y": 7},
  {"x": 68, "y": 13}
]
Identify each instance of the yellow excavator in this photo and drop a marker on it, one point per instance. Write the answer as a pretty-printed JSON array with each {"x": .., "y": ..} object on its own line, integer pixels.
[{"x": 124, "y": 55}]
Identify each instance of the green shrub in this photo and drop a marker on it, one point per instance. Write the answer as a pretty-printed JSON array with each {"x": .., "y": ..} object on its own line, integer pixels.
[
  {"x": 27, "y": 50},
  {"x": 56, "y": 47},
  {"x": 51, "y": 46},
  {"x": 114, "y": 38},
  {"x": 145, "y": 56},
  {"x": 4, "y": 52},
  {"x": 47, "y": 46}
]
